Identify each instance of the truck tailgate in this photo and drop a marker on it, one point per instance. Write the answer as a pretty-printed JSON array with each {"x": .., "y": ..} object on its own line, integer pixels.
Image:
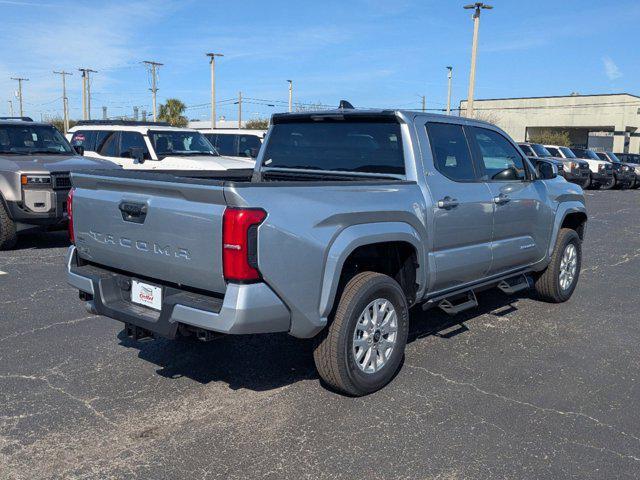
[{"x": 160, "y": 229}]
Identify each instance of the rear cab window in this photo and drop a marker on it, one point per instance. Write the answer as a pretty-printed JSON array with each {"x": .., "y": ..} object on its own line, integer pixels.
[{"x": 359, "y": 145}]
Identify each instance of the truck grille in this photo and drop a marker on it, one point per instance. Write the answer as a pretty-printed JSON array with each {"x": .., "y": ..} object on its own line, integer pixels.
[
  {"x": 61, "y": 181},
  {"x": 608, "y": 167}
]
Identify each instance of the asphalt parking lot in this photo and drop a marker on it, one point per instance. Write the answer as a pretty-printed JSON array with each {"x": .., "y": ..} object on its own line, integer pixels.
[{"x": 514, "y": 389}]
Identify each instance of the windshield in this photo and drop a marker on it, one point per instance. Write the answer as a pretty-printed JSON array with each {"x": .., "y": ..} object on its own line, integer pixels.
[
  {"x": 585, "y": 153},
  {"x": 568, "y": 152},
  {"x": 613, "y": 157},
  {"x": 29, "y": 139},
  {"x": 337, "y": 145},
  {"x": 179, "y": 142},
  {"x": 540, "y": 150}
]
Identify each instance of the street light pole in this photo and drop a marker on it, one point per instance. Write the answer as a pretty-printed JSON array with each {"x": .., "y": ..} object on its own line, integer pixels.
[
  {"x": 478, "y": 7},
  {"x": 212, "y": 61},
  {"x": 290, "y": 95},
  {"x": 449, "y": 76}
]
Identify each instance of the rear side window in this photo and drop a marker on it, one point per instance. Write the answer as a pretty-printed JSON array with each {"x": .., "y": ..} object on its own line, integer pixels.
[
  {"x": 499, "y": 158},
  {"x": 337, "y": 145},
  {"x": 83, "y": 138},
  {"x": 451, "y": 155},
  {"x": 132, "y": 140}
]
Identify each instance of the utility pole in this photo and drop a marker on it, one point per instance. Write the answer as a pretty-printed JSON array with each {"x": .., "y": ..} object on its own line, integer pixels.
[
  {"x": 104, "y": 112},
  {"x": 10, "y": 108},
  {"x": 239, "y": 109},
  {"x": 212, "y": 61},
  {"x": 449, "y": 77},
  {"x": 135, "y": 113},
  {"x": 290, "y": 95},
  {"x": 478, "y": 7},
  {"x": 424, "y": 103},
  {"x": 154, "y": 88},
  {"x": 20, "y": 80},
  {"x": 86, "y": 92},
  {"x": 65, "y": 100}
]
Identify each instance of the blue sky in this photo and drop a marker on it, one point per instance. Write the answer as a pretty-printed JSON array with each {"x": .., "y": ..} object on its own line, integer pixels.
[{"x": 374, "y": 53}]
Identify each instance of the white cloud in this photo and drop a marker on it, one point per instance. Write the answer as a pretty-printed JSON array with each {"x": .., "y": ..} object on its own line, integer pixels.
[{"x": 611, "y": 70}]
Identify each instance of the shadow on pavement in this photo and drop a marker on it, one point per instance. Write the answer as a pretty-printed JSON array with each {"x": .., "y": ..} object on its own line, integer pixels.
[
  {"x": 38, "y": 239},
  {"x": 265, "y": 362}
]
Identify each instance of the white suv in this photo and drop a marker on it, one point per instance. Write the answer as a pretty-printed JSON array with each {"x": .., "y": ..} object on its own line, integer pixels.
[
  {"x": 151, "y": 146},
  {"x": 601, "y": 172}
]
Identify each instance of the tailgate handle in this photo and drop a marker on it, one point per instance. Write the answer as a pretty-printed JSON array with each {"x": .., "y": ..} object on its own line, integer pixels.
[{"x": 133, "y": 212}]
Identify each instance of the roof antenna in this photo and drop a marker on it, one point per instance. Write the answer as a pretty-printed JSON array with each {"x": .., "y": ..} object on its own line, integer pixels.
[{"x": 344, "y": 105}]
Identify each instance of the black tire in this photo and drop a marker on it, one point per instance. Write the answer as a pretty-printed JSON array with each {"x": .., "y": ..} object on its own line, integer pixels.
[
  {"x": 8, "y": 236},
  {"x": 334, "y": 347},
  {"x": 611, "y": 185},
  {"x": 547, "y": 283},
  {"x": 587, "y": 183}
]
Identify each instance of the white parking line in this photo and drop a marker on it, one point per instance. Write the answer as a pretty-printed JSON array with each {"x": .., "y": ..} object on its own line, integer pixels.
[{"x": 2, "y": 273}]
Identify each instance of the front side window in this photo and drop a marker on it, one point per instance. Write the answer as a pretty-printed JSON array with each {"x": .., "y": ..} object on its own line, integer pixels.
[
  {"x": 130, "y": 142},
  {"x": 180, "y": 143},
  {"x": 109, "y": 146},
  {"x": 337, "y": 145},
  {"x": 31, "y": 139},
  {"x": 451, "y": 155},
  {"x": 248, "y": 145},
  {"x": 499, "y": 158},
  {"x": 554, "y": 152}
]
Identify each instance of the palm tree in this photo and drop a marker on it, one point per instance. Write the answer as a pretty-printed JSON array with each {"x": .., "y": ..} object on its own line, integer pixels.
[{"x": 172, "y": 112}]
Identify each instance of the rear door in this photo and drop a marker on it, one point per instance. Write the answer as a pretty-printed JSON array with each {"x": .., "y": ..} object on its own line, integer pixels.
[
  {"x": 522, "y": 220},
  {"x": 462, "y": 208}
]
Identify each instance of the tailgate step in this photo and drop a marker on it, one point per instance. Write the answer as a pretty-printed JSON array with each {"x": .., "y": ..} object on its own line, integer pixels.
[{"x": 137, "y": 333}]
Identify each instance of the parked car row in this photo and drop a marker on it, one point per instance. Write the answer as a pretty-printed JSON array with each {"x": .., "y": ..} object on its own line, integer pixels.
[{"x": 588, "y": 168}]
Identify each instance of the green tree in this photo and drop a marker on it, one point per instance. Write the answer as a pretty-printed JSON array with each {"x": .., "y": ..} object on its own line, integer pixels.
[
  {"x": 172, "y": 112},
  {"x": 257, "y": 124},
  {"x": 551, "y": 137}
]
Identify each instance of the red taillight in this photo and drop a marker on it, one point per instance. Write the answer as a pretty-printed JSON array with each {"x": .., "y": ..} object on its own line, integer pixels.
[
  {"x": 240, "y": 243},
  {"x": 72, "y": 238}
]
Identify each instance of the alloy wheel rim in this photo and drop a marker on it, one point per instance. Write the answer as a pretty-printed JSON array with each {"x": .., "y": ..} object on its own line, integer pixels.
[
  {"x": 568, "y": 266},
  {"x": 375, "y": 336}
]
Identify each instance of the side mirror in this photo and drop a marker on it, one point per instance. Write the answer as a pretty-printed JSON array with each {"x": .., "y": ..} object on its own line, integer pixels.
[
  {"x": 137, "y": 153},
  {"x": 547, "y": 170},
  {"x": 79, "y": 149},
  {"x": 507, "y": 174}
]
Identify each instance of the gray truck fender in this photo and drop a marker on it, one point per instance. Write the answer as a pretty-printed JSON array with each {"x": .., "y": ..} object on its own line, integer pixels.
[
  {"x": 564, "y": 209},
  {"x": 356, "y": 236}
]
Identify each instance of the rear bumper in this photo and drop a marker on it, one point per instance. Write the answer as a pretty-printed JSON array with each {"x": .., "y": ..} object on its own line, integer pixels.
[{"x": 245, "y": 309}]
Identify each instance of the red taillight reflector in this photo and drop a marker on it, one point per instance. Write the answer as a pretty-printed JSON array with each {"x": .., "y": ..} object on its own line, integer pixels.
[
  {"x": 239, "y": 243},
  {"x": 72, "y": 238}
]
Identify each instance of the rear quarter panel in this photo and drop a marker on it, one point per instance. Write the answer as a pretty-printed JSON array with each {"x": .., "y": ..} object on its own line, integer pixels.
[{"x": 304, "y": 222}]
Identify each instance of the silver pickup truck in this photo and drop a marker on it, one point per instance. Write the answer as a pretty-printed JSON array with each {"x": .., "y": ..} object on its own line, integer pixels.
[{"x": 349, "y": 218}]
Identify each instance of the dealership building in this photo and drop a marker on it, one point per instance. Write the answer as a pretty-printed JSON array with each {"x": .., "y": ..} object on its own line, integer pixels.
[{"x": 600, "y": 122}]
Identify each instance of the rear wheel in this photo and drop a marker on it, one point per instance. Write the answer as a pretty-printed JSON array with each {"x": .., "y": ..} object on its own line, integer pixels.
[
  {"x": 362, "y": 348},
  {"x": 558, "y": 281},
  {"x": 8, "y": 235}
]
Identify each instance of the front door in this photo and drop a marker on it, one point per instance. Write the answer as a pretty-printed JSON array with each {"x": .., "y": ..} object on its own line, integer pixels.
[
  {"x": 522, "y": 220},
  {"x": 462, "y": 208}
]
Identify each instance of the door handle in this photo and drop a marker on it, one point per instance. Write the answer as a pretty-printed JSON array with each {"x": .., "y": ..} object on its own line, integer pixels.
[
  {"x": 501, "y": 199},
  {"x": 447, "y": 202}
]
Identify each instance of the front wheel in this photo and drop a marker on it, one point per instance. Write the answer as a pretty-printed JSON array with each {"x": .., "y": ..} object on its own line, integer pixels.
[
  {"x": 8, "y": 236},
  {"x": 362, "y": 348},
  {"x": 612, "y": 184},
  {"x": 587, "y": 183},
  {"x": 558, "y": 281}
]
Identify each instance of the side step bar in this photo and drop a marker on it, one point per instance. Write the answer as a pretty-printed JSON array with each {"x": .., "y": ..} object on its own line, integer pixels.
[
  {"x": 468, "y": 301},
  {"x": 515, "y": 284}
]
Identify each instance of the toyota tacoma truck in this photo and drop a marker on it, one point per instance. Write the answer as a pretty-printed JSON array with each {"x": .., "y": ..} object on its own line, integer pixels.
[
  {"x": 348, "y": 219},
  {"x": 35, "y": 165}
]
